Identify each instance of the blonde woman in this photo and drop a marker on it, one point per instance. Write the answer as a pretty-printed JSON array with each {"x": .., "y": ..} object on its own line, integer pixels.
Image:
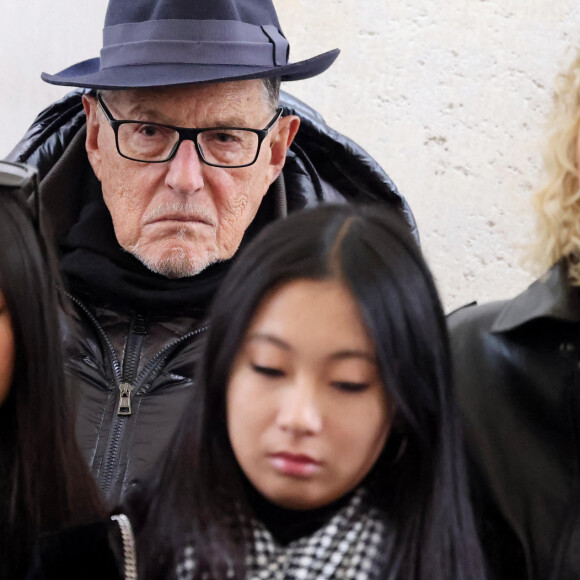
[{"x": 517, "y": 366}]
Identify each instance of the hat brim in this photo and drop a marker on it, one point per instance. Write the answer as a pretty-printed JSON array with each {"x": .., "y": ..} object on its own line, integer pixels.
[{"x": 87, "y": 74}]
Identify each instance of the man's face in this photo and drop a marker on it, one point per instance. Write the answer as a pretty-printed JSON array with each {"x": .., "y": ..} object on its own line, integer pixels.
[{"x": 180, "y": 216}]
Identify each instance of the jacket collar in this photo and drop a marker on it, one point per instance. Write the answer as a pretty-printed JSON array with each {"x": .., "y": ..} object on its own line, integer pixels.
[{"x": 551, "y": 296}]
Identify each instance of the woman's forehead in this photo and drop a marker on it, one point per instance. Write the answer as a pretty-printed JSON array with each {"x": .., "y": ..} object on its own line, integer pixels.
[{"x": 323, "y": 313}]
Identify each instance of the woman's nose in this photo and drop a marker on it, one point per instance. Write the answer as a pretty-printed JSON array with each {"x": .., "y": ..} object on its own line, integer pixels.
[{"x": 299, "y": 411}]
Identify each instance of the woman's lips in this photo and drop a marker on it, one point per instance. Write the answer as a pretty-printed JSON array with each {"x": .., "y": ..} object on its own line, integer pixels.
[{"x": 295, "y": 465}]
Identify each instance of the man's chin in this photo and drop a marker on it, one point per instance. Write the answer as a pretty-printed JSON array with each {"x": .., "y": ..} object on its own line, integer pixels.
[{"x": 177, "y": 263}]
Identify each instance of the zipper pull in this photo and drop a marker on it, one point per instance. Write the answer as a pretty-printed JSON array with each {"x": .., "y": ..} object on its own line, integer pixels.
[{"x": 125, "y": 399}]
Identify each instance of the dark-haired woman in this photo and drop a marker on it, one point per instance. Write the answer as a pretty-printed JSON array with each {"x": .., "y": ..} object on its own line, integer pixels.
[
  {"x": 44, "y": 484},
  {"x": 322, "y": 440}
]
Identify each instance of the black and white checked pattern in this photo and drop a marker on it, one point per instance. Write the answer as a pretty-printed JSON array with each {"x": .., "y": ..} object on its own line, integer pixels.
[{"x": 348, "y": 547}]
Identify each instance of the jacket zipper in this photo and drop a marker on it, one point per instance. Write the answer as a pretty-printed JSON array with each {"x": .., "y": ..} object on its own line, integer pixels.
[
  {"x": 137, "y": 332},
  {"x": 112, "y": 447},
  {"x": 127, "y": 387},
  {"x": 125, "y": 399}
]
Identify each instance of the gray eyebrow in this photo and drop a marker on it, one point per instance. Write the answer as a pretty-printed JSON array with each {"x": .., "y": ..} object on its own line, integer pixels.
[{"x": 138, "y": 112}]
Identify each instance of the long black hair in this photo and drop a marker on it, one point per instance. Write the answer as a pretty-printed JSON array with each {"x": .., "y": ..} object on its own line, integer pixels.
[
  {"x": 44, "y": 483},
  {"x": 423, "y": 491}
]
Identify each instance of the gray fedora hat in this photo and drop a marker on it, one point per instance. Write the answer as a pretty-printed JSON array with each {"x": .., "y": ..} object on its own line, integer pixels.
[{"x": 149, "y": 43}]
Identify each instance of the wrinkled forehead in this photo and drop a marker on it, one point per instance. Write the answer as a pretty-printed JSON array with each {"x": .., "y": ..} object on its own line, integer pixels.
[{"x": 241, "y": 103}]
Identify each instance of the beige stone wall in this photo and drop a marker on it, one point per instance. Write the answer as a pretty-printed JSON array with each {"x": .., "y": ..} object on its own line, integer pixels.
[{"x": 450, "y": 97}]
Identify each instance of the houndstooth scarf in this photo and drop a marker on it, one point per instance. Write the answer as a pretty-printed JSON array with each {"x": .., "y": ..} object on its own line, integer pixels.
[{"x": 348, "y": 547}]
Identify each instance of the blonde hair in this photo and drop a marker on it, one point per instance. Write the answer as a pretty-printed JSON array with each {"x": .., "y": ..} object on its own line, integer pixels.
[{"x": 557, "y": 203}]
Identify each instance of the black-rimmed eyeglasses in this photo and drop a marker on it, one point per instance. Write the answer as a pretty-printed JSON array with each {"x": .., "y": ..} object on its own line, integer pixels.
[{"x": 217, "y": 146}]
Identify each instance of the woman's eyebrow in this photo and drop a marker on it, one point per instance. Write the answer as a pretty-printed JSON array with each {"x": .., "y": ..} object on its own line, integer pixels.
[
  {"x": 270, "y": 338},
  {"x": 338, "y": 355},
  {"x": 347, "y": 353}
]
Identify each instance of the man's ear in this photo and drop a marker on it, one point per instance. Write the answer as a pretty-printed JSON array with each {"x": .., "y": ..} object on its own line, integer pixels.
[
  {"x": 287, "y": 129},
  {"x": 92, "y": 141}
]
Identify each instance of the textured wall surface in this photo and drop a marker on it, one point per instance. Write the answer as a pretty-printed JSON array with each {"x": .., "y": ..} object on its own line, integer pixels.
[{"x": 450, "y": 97}]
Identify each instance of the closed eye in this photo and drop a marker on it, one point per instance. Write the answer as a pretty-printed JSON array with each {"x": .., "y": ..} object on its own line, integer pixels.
[
  {"x": 351, "y": 387},
  {"x": 268, "y": 371}
]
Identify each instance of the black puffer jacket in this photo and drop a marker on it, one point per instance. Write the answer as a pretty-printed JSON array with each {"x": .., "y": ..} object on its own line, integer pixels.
[
  {"x": 517, "y": 366},
  {"x": 109, "y": 347}
]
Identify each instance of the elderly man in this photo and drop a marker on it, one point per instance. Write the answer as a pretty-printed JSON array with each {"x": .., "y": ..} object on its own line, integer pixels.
[{"x": 153, "y": 179}]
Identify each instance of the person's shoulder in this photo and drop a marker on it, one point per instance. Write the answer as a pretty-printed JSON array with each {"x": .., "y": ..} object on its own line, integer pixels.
[
  {"x": 50, "y": 133},
  {"x": 474, "y": 317},
  {"x": 476, "y": 345}
]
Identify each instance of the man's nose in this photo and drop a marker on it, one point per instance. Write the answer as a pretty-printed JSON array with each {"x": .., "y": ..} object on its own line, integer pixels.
[
  {"x": 300, "y": 412},
  {"x": 185, "y": 173}
]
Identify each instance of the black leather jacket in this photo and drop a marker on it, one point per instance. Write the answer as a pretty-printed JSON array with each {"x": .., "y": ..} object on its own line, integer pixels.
[
  {"x": 107, "y": 347},
  {"x": 517, "y": 369}
]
